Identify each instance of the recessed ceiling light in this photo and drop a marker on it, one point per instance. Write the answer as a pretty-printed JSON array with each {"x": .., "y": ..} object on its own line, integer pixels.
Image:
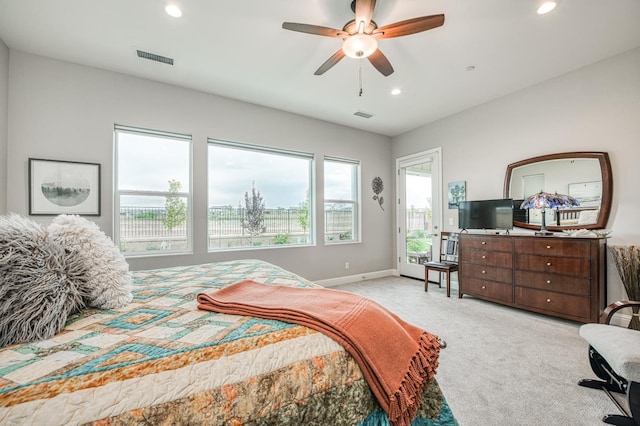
[
  {"x": 546, "y": 7},
  {"x": 173, "y": 10},
  {"x": 396, "y": 92}
]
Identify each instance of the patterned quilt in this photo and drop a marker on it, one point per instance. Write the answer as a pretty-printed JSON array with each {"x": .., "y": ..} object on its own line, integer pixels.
[{"x": 160, "y": 360}]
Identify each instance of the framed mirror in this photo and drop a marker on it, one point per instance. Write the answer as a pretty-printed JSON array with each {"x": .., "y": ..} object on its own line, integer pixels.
[{"x": 585, "y": 176}]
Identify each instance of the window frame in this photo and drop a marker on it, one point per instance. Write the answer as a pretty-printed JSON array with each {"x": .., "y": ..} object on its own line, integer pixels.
[
  {"x": 355, "y": 202},
  {"x": 274, "y": 151},
  {"x": 117, "y": 193}
]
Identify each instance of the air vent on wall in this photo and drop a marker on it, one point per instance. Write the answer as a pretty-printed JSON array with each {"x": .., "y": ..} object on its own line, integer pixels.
[
  {"x": 363, "y": 114},
  {"x": 153, "y": 57}
]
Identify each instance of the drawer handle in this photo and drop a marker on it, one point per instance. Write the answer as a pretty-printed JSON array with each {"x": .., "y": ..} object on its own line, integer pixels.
[
  {"x": 548, "y": 263},
  {"x": 548, "y": 300},
  {"x": 548, "y": 281},
  {"x": 484, "y": 242},
  {"x": 484, "y": 257},
  {"x": 484, "y": 287},
  {"x": 484, "y": 272},
  {"x": 548, "y": 247}
]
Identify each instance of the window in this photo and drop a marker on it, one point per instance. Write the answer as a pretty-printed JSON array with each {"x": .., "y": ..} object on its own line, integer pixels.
[
  {"x": 152, "y": 192},
  {"x": 341, "y": 200},
  {"x": 258, "y": 196}
]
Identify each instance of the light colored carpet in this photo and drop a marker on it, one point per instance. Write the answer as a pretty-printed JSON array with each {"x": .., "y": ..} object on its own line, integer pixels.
[{"x": 501, "y": 366}]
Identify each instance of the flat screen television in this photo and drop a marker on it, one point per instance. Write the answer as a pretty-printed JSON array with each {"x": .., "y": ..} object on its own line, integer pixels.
[{"x": 486, "y": 214}]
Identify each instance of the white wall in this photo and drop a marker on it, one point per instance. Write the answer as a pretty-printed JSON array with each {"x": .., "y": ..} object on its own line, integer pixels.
[
  {"x": 59, "y": 110},
  {"x": 4, "y": 125},
  {"x": 596, "y": 108}
]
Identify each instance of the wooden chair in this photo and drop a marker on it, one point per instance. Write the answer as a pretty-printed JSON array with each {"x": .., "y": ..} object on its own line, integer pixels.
[{"x": 447, "y": 262}]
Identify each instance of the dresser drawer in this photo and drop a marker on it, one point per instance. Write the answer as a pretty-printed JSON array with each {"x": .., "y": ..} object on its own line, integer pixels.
[
  {"x": 563, "y": 304},
  {"x": 490, "y": 290},
  {"x": 482, "y": 242},
  {"x": 553, "y": 246},
  {"x": 559, "y": 283},
  {"x": 555, "y": 265},
  {"x": 483, "y": 257},
  {"x": 486, "y": 272}
]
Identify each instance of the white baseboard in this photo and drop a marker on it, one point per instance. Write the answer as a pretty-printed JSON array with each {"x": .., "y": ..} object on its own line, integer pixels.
[{"x": 332, "y": 282}]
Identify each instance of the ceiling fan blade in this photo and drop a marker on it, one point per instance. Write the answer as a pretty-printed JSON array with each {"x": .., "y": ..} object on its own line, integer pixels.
[
  {"x": 314, "y": 29},
  {"x": 334, "y": 59},
  {"x": 381, "y": 63},
  {"x": 410, "y": 26},
  {"x": 364, "y": 12}
]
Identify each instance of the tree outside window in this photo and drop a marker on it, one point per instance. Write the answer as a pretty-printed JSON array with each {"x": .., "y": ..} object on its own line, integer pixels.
[
  {"x": 253, "y": 218},
  {"x": 175, "y": 207}
]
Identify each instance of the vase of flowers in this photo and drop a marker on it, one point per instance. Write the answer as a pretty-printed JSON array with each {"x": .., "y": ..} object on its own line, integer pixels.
[{"x": 627, "y": 260}]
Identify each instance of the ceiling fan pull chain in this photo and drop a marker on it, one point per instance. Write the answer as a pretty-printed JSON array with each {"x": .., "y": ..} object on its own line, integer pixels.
[{"x": 360, "y": 78}]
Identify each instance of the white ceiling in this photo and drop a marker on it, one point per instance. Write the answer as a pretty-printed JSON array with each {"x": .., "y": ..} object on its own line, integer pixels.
[{"x": 239, "y": 50}]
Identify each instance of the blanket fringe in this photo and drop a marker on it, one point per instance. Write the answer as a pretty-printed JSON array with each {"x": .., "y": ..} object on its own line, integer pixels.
[{"x": 404, "y": 403}]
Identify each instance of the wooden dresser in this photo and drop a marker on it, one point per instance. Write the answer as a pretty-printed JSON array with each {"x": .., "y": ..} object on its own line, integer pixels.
[{"x": 554, "y": 275}]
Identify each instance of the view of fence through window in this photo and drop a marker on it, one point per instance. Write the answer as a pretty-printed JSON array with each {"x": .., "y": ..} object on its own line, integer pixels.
[
  {"x": 419, "y": 233},
  {"x": 225, "y": 226},
  {"x": 282, "y": 226}
]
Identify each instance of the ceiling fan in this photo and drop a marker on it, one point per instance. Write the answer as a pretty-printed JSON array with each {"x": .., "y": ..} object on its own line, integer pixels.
[{"x": 360, "y": 36}]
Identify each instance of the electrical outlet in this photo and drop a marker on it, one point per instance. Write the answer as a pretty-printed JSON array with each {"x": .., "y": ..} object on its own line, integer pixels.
[
  {"x": 451, "y": 221},
  {"x": 346, "y": 265}
]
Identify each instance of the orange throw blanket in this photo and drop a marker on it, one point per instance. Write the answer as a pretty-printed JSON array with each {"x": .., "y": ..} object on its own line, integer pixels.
[{"x": 396, "y": 358}]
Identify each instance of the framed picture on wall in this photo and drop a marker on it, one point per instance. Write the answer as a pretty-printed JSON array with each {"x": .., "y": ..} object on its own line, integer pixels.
[
  {"x": 63, "y": 187},
  {"x": 588, "y": 194},
  {"x": 457, "y": 193}
]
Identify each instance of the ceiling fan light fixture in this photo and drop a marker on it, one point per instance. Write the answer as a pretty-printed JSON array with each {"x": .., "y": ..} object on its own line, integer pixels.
[
  {"x": 359, "y": 45},
  {"x": 546, "y": 6},
  {"x": 173, "y": 10}
]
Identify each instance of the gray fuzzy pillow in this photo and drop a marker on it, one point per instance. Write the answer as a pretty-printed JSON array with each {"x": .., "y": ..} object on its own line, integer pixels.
[
  {"x": 36, "y": 296},
  {"x": 96, "y": 264}
]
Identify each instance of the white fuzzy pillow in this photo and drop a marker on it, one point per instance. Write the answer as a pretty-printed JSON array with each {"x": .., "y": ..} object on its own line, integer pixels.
[
  {"x": 101, "y": 270},
  {"x": 36, "y": 296}
]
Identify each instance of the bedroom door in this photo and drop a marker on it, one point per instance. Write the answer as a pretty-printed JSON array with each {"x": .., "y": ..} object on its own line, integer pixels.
[{"x": 418, "y": 210}]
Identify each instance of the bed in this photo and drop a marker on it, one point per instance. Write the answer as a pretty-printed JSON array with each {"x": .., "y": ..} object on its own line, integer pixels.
[{"x": 160, "y": 360}]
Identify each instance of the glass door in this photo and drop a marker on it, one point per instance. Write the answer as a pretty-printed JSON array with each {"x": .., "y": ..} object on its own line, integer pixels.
[{"x": 418, "y": 215}]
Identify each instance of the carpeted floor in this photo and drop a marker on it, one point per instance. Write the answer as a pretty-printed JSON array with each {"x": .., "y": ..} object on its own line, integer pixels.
[{"x": 501, "y": 366}]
